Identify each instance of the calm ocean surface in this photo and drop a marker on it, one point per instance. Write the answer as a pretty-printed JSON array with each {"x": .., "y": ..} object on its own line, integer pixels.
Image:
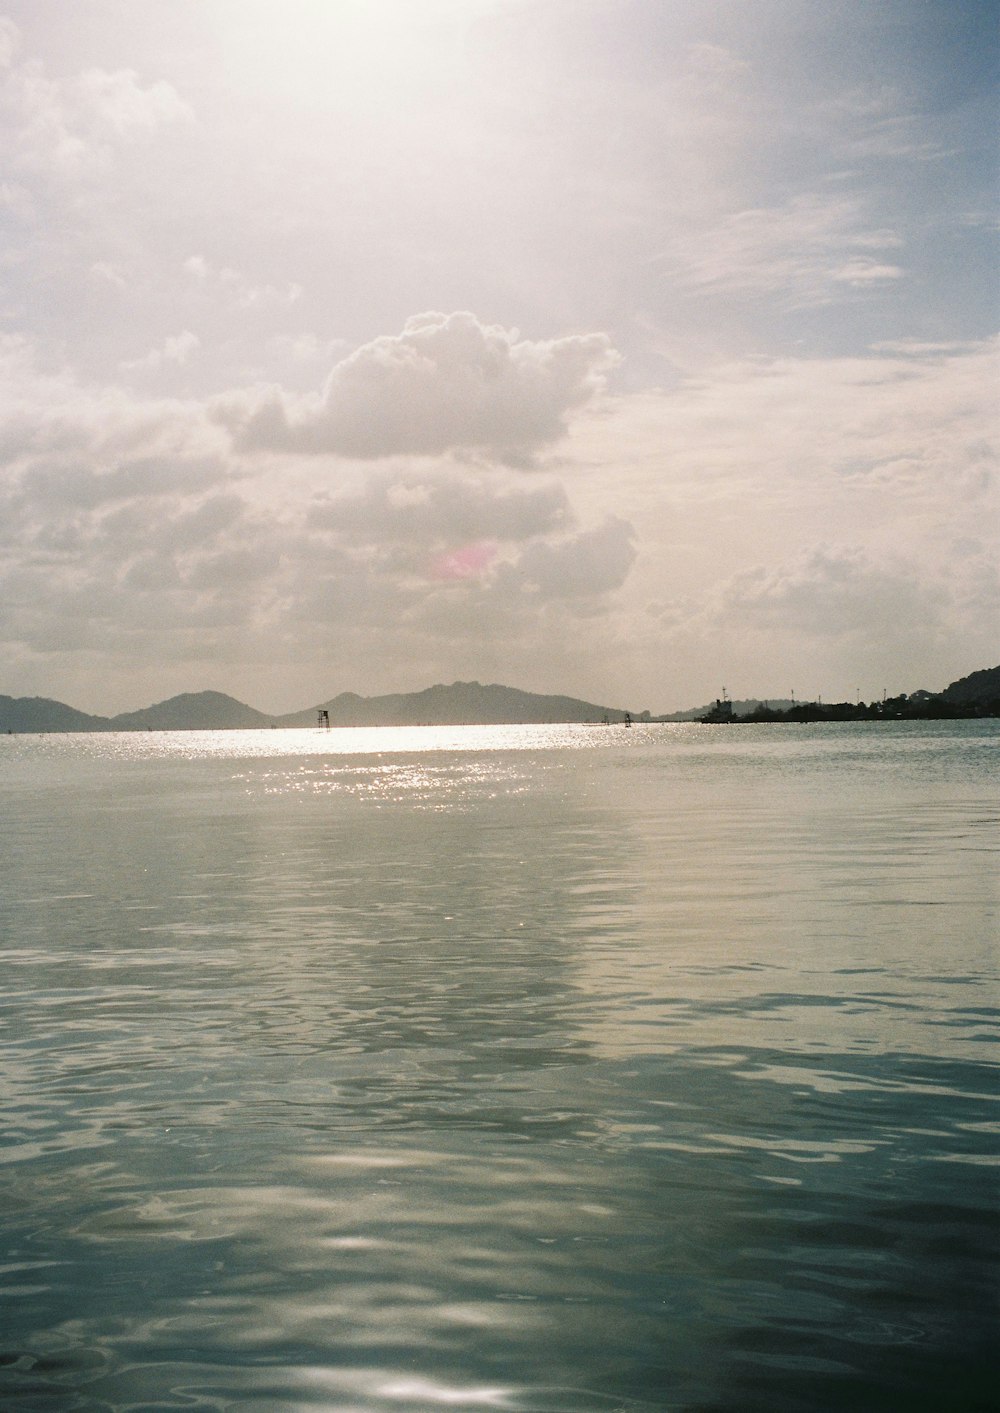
[{"x": 543, "y": 1069}]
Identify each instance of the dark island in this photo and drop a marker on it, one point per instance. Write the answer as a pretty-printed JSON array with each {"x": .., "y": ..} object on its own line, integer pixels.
[
  {"x": 977, "y": 695},
  {"x": 461, "y": 703}
]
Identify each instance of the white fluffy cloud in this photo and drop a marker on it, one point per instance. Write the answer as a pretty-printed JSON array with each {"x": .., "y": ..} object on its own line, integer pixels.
[
  {"x": 447, "y": 382},
  {"x": 70, "y": 126}
]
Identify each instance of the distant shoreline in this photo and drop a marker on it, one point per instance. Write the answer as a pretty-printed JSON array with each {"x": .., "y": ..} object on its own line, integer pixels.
[
  {"x": 476, "y": 704},
  {"x": 819, "y": 715},
  {"x": 796, "y": 718}
]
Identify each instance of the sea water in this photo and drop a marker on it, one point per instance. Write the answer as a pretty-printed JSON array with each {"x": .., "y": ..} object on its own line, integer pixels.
[{"x": 548, "y": 1069}]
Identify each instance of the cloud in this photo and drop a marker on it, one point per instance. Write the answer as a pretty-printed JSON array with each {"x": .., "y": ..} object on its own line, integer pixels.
[
  {"x": 105, "y": 272},
  {"x": 835, "y": 617},
  {"x": 176, "y": 350},
  {"x": 238, "y": 290},
  {"x": 447, "y": 382},
  {"x": 127, "y": 538},
  {"x": 912, "y": 421},
  {"x": 439, "y": 508},
  {"x": 49, "y": 416},
  {"x": 117, "y": 102},
  {"x": 590, "y": 564},
  {"x": 10, "y": 42},
  {"x": 742, "y": 208},
  {"x": 876, "y": 124},
  {"x": 811, "y": 520},
  {"x": 466, "y": 562},
  {"x": 865, "y": 272},
  {"x": 829, "y": 592},
  {"x": 71, "y": 126},
  {"x": 51, "y": 487},
  {"x": 801, "y": 251}
]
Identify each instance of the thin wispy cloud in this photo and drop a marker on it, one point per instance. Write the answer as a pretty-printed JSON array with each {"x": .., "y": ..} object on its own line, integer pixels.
[{"x": 797, "y": 253}]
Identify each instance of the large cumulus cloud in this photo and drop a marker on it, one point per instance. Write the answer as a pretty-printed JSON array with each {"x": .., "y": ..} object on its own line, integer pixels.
[
  {"x": 134, "y": 545},
  {"x": 446, "y": 382}
]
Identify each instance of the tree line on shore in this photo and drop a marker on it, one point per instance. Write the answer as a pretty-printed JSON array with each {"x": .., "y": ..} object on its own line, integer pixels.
[{"x": 977, "y": 695}]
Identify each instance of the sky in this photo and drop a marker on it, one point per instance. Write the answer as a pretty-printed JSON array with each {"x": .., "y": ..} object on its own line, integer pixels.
[{"x": 625, "y": 349}]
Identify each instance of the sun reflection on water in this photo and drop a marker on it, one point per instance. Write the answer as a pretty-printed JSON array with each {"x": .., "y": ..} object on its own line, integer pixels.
[
  {"x": 437, "y": 786},
  {"x": 335, "y": 741}
]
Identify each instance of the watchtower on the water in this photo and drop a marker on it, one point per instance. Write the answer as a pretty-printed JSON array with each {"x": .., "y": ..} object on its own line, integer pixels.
[{"x": 323, "y": 719}]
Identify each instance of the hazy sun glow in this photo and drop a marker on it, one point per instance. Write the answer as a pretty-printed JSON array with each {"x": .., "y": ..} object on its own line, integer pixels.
[{"x": 343, "y": 52}]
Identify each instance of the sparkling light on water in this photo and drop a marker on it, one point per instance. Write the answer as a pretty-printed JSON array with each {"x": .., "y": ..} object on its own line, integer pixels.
[{"x": 540, "y": 1069}]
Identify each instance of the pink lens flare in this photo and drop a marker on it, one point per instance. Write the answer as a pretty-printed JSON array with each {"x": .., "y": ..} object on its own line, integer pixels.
[{"x": 463, "y": 563}]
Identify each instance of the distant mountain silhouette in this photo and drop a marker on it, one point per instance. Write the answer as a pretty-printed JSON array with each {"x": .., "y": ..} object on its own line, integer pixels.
[
  {"x": 192, "y": 711},
  {"x": 42, "y": 714},
  {"x": 978, "y": 689},
  {"x": 463, "y": 703}
]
